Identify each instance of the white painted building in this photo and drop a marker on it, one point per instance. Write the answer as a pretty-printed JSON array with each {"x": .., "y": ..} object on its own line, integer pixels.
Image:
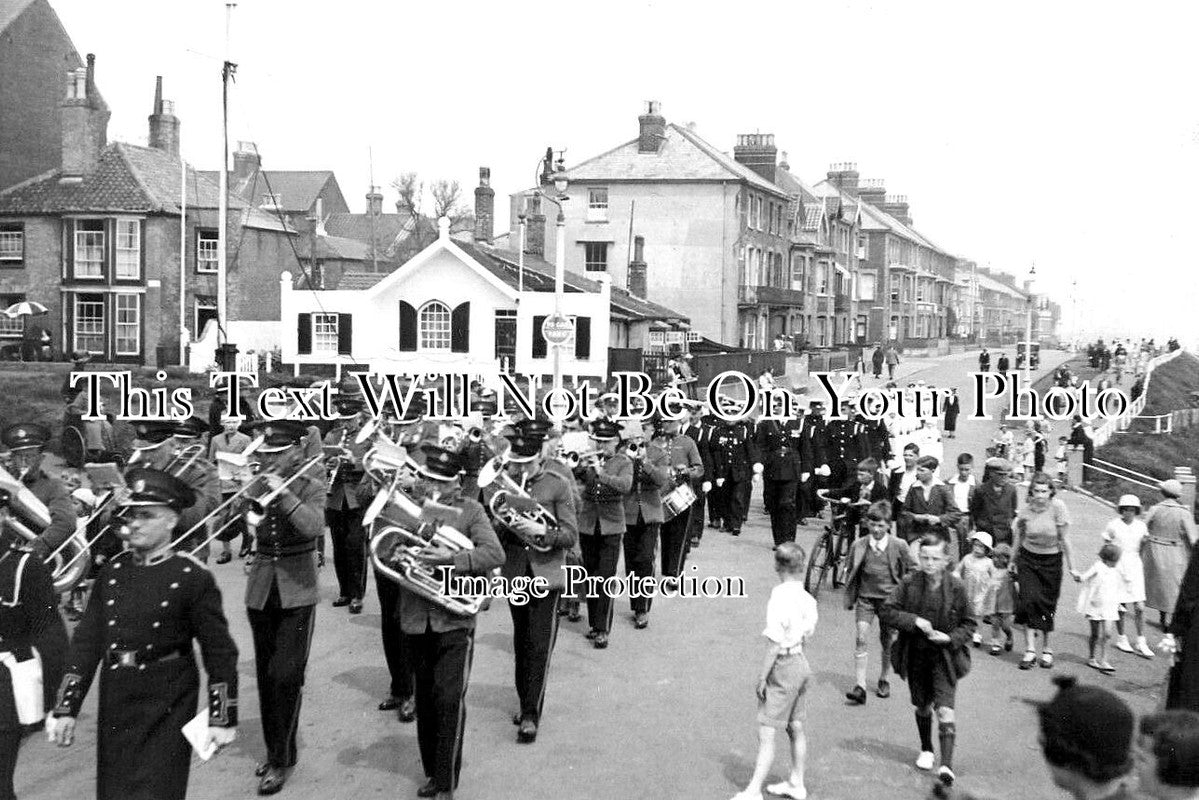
[{"x": 444, "y": 311}]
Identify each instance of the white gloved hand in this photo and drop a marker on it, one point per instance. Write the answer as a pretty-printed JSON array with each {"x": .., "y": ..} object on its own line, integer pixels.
[
  {"x": 823, "y": 471},
  {"x": 706, "y": 487},
  {"x": 757, "y": 469},
  {"x": 803, "y": 478},
  {"x": 719, "y": 482},
  {"x": 1168, "y": 645},
  {"x": 51, "y": 724}
]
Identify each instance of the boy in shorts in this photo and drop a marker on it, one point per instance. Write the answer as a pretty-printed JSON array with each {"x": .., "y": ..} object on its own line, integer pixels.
[{"x": 783, "y": 682}]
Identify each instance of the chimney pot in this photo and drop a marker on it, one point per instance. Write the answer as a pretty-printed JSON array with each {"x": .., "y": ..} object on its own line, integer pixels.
[
  {"x": 653, "y": 128},
  {"x": 164, "y": 125},
  {"x": 246, "y": 161},
  {"x": 374, "y": 203},
  {"x": 844, "y": 175},
  {"x": 757, "y": 151},
  {"x": 84, "y": 122},
  {"x": 638, "y": 269}
]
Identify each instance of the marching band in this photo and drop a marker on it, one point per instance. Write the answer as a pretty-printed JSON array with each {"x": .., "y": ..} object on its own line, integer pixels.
[{"x": 498, "y": 496}]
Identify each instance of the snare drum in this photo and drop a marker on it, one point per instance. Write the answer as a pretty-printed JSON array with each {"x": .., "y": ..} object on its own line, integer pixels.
[{"x": 677, "y": 501}]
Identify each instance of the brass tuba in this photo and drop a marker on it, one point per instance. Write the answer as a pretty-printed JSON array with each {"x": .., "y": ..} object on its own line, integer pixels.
[
  {"x": 510, "y": 502},
  {"x": 394, "y": 549},
  {"x": 28, "y": 517}
]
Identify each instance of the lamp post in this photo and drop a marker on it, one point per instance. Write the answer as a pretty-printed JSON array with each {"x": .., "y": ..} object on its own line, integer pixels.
[
  {"x": 553, "y": 171},
  {"x": 1032, "y": 274}
]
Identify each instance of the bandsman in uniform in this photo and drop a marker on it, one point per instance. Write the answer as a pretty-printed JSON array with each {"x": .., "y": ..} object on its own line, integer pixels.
[
  {"x": 734, "y": 455},
  {"x": 786, "y": 462},
  {"x": 281, "y": 589},
  {"x": 686, "y": 466},
  {"x": 26, "y": 443},
  {"x": 535, "y": 624},
  {"x": 442, "y": 643},
  {"x": 343, "y": 510},
  {"x": 156, "y": 445},
  {"x": 845, "y": 445},
  {"x": 699, "y": 430},
  {"x": 148, "y": 606},
  {"x": 603, "y": 484},
  {"x": 643, "y": 512}
]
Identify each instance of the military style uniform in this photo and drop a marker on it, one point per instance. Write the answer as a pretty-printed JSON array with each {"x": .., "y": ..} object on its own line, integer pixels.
[
  {"x": 786, "y": 458},
  {"x": 733, "y": 453},
  {"x": 281, "y": 595},
  {"x": 442, "y": 643},
  {"x": 602, "y": 523},
  {"x": 343, "y": 514},
  {"x": 701, "y": 434},
  {"x": 49, "y": 491},
  {"x": 535, "y": 624},
  {"x": 845, "y": 445},
  {"x": 685, "y": 466},
  {"x": 643, "y": 517},
  {"x": 202, "y": 475}
]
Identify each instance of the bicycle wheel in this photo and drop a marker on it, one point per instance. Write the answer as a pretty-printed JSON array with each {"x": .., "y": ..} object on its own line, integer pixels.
[{"x": 818, "y": 565}]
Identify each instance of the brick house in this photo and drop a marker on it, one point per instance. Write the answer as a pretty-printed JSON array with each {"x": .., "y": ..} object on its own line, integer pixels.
[
  {"x": 35, "y": 52},
  {"x": 97, "y": 240}
]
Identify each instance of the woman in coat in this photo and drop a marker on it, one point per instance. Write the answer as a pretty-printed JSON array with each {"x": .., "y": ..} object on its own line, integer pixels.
[
  {"x": 953, "y": 407},
  {"x": 1182, "y": 639},
  {"x": 1167, "y": 549}
]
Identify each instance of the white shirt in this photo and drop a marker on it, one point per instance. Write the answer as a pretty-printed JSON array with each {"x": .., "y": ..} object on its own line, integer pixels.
[
  {"x": 906, "y": 481},
  {"x": 961, "y": 491},
  {"x": 878, "y": 545},
  {"x": 790, "y": 615}
]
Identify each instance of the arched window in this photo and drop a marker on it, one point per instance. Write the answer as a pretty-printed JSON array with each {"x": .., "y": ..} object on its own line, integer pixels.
[{"x": 434, "y": 326}]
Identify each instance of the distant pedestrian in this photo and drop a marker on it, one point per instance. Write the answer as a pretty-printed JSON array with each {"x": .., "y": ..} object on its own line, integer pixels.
[
  {"x": 1168, "y": 547},
  {"x": 984, "y": 361},
  {"x": 877, "y": 359},
  {"x": 782, "y": 685},
  {"x": 953, "y": 407},
  {"x": 1003, "y": 365},
  {"x": 892, "y": 359}
]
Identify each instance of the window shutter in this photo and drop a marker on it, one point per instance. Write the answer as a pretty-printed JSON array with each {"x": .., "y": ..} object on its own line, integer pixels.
[
  {"x": 407, "y": 327},
  {"x": 110, "y": 248},
  {"x": 304, "y": 334},
  {"x": 68, "y": 247},
  {"x": 539, "y": 344},
  {"x": 582, "y": 338},
  {"x": 460, "y": 328},
  {"x": 345, "y": 334}
]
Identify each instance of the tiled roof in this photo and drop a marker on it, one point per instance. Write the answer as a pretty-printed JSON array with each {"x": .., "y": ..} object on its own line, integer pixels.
[
  {"x": 128, "y": 178},
  {"x": 297, "y": 190},
  {"x": 10, "y": 10},
  {"x": 794, "y": 186},
  {"x": 335, "y": 247},
  {"x": 681, "y": 156},
  {"x": 875, "y": 219},
  {"x": 385, "y": 227},
  {"x": 360, "y": 280},
  {"x": 812, "y": 217}
]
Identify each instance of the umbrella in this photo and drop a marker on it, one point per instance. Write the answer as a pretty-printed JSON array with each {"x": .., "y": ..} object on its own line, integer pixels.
[{"x": 26, "y": 308}]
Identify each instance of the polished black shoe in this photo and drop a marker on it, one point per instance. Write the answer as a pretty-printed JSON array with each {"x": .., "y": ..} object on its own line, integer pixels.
[
  {"x": 274, "y": 779},
  {"x": 884, "y": 689},
  {"x": 736, "y": 532},
  {"x": 563, "y": 609},
  {"x": 355, "y": 606},
  {"x": 390, "y": 704},
  {"x": 428, "y": 790},
  {"x": 407, "y": 711},
  {"x": 517, "y": 718},
  {"x": 640, "y": 620},
  {"x": 694, "y": 543},
  {"x": 528, "y": 732},
  {"x": 261, "y": 769},
  {"x": 856, "y": 695},
  {"x": 601, "y": 641},
  {"x": 575, "y": 615},
  {"x": 591, "y": 634},
  {"x": 341, "y": 601}
]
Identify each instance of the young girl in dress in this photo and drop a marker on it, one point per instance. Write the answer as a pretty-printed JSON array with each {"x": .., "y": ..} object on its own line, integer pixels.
[
  {"x": 1099, "y": 601},
  {"x": 1128, "y": 532},
  {"x": 1028, "y": 456},
  {"x": 975, "y": 572},
  {"x": 1000, "y": 603}
]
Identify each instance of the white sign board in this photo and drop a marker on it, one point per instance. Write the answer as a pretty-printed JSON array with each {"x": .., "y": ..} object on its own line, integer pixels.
[{"x": 557, "y": 330}]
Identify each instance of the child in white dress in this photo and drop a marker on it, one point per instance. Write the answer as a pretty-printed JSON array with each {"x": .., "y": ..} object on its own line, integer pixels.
[
  {"x": 1099, "y": 601},
  {"x": 1128, "y": 532},
  {"x": 1000, "y": 602},
  {"x": 975, "y": 572}
]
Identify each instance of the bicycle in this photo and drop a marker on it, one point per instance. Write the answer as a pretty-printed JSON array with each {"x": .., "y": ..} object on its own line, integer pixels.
[{"x": 828, "y": 558}]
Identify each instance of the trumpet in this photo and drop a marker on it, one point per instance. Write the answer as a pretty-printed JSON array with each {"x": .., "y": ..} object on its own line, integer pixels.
[
  {"x": 511, "y": 503},
  {"x": 395, "y": 552},
  {"x": 575, "y": 459}
]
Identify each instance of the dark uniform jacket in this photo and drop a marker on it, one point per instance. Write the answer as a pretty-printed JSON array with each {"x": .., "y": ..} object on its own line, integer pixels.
[
  {"x": 949, "y": 612},
  {"x": 845, "y": 440},
  {"x": 28, "y": 619},
  {"x": 53, "y": 495},
  {"x": 343, "y": 494},
  {"x": 683, "y": 458},
  {"x": 878, "y": 439},
  {"x": 555, "y": 494},
  {"x": 418, "y": 615},
  {"x": 733, "y": 451},
  {"x": 603, "y": 494},
  {"x": 993, "y": 512},
  {"x": 651, "y": 475},
  {"x": 814, "y": 431},
  {"x": 786, "y": 454},
  {"x": 701, "y": 434},
  {"x": 285, "y": 544}
]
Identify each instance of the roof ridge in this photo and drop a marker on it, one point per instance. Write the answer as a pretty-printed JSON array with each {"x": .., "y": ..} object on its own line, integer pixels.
[
  {"x": 730, "y": 165},
  {"x": 50, "y": 173},
  {"x": 154, "y": 201},
  {"x": 601, "y": 155}
]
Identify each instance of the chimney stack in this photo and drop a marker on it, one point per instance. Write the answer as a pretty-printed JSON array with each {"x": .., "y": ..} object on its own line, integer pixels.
[
  {"x": 873, "y": 191},
  {"x": 653, "y": 128},
  {"x": 897, "y": 206},
  {"x": 484, "y": 207},
  {"x": 845, "y": 177},
  {"x": 84, "y": 120},
  {"x": 783, "y": 165},
  {"x": 246, "y": 162},
  {"x": 164, "y": 125},
  {"x": 637, "y": 269},
  {"x": 534, "y": 227},
  {"x": 374, "y": 203},
  {"x": 757, "y": 151}
]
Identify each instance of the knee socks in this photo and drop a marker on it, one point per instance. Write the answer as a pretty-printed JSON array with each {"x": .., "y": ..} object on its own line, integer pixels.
[
  {"x": 924, "y": 724},
  {"x": 948, "y": 733}
]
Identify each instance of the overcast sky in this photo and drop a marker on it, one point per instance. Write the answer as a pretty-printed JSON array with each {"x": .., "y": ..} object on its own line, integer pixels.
[{"x": 1064, "y": 134}]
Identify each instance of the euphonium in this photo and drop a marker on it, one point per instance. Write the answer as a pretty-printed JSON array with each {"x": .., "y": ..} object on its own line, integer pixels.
[
  {"x": 394, "y": 551},
  {"x": 508, "y": 512},
  {"x": 28, "y": 518}
]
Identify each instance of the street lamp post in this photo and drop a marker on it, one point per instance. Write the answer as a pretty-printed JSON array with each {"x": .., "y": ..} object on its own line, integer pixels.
[
  {"x": 555, "y": 173},
  {"x": 1032, "y": 274}
]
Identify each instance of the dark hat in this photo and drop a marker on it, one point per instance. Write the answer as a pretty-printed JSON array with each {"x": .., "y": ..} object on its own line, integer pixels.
[
  {"x": 603, "y": 430},
  {"x": 190, "y": 428},
  {"x": 154, "y": 431},
  {"x": 152, "y": 487},
  {"x": 279, "y": 434},
  {"x": 524, "y": 448},
  {"x": 440, "y": 464},
  {"x": 25, "y": 434},
  {"x": 532, "y": 428},
  {"x": 487, "y": 406},
  {"x": 1087, "y": 719},
  {"x": 415, "y": 410}
]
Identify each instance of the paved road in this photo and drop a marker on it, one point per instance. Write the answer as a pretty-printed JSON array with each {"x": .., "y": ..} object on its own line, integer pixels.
[{"x": 663, "y": 713}]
